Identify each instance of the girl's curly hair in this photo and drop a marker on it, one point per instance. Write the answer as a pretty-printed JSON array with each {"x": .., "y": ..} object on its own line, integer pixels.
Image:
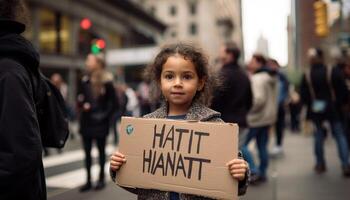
[{"x": 189, "y": 52}]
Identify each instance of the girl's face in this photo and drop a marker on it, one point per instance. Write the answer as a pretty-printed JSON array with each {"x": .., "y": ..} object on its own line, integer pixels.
[{"x": 179, "y": 82}]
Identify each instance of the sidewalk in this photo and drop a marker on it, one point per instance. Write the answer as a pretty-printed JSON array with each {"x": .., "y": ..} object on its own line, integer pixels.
[{"x": 290, "y": 178}]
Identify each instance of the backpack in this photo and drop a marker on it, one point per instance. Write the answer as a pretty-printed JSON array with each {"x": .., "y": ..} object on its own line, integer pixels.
[
  {"x": 52, "y": 115},
  {"x": 50, "y": 109}
]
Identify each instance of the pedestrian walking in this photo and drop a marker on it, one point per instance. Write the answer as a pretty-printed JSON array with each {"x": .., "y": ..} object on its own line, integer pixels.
[
  {"x": 283, "y": 94},
  {"x": 261, "y": 116},
  {"x": 295, "y": 107},
  {"x": 324, "y": 92},
  {"x": 97, "y": 103},
  {"x": 346, "y": 72},
  {"x": 235, "y": 98},
  {"x": 180, "y": 72}
]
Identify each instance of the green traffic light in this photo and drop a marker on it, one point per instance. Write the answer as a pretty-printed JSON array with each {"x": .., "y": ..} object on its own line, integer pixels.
[{"x": 95, "y": 49}]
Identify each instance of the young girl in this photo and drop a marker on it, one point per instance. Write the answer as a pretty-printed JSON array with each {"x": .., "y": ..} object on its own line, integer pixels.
[{"x": 180, "y": 74}]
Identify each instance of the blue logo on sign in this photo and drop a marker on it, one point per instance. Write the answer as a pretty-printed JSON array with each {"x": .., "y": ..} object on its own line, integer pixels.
[{"x": 129, "y": 129}]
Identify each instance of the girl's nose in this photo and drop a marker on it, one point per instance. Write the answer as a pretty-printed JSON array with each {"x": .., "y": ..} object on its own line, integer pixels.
[{"x": 178, "y": 81}]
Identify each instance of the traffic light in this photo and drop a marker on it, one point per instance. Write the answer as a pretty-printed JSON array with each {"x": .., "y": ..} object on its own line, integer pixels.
[
  {"x": 321, "y": 18},
  {"x": 97, "y": 45},
  {"x": 85, "y": 24}
]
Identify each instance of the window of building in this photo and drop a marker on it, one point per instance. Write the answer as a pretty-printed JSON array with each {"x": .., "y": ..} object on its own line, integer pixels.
[
  {"x": 193, "y": 29},
  {"x": 54, "y": 35},
  {"x": 172, "y": 10},
  {"x": 47, "y": 34},
  {"x": 65, "y": 35},
  {"x": 193, "y": 8}
]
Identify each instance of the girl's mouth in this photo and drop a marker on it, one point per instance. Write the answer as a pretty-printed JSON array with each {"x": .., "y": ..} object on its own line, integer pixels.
[{"x": 177, "y": 93}]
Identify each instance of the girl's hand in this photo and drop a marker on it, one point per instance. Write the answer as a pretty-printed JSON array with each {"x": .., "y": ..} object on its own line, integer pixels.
[
  {"x": 238, "y": 168},
  {"x": 117, "y": 160}
]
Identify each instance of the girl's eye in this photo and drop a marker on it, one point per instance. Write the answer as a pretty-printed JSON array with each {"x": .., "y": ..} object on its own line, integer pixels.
[
  {"x": 168, "y": 76},
  {"x": 187, "y": 77}
]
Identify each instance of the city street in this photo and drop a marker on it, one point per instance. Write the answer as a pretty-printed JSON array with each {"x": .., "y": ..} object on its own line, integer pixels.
[{"x": 290, "y": 177}]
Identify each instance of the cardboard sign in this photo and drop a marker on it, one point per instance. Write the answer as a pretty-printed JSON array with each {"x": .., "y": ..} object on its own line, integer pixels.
[{"x": 180, "y": 156}]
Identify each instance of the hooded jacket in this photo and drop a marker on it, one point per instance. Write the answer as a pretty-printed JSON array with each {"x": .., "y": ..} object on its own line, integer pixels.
[
  {"x": 21, "y": 169},
  {"x": 265, "y": 91},
  {"x": 199, "y": 112}
]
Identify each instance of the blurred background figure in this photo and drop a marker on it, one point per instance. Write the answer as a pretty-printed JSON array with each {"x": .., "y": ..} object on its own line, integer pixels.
[
  {"x": 295, "y": 107},
  {"x": 261, "y": 116},
  {"x": 132, "y": 106},
  {"x": 234, "y": 100},
  {"x": 347, "y": 108},
  {"x": 56, "y": 80},
  {"x": 97, "y": 103},
  {"x": 283, "y": 94},
  {"x": 143, "y": 92},
  {"x": 324, "y": 92}
]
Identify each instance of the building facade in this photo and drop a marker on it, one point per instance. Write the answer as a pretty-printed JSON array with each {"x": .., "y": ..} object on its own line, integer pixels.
[
  {"x": 206, "y": 23},
  {"x": 63, "y": 31}
]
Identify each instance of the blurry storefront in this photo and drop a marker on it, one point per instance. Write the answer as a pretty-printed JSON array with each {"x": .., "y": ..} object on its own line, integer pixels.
[{"x": 66, "y": 31}]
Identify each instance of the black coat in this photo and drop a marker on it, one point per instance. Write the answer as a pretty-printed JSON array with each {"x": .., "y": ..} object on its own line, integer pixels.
[
  {"x": 21, "y": 168},
  {"x": 235, "y": 97},
  {"x": 318, "y": 76},
  {"x": 95, "y": 123}
]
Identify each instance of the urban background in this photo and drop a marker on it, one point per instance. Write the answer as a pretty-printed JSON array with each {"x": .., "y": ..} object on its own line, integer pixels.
[{"x": 130, "y": 33}]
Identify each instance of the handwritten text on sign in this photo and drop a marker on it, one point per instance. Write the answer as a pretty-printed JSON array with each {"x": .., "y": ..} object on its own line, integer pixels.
[{"x": 174, "y": 163}]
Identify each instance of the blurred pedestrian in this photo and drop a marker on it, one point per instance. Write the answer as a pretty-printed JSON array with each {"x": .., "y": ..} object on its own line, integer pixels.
[
  {"x": 323, "y": 90},
  {"x": 262, "y": 115},
  {"x": 346, "y": 72},
  {"x": 21, "y": 168},
  {"x": 295, "y": 107},
  {"x": 181, "y": 72},
  {"x": 96, "y": 101},
  {"x": 143, "y": 97},
  {"x": 283, "y": 94},
  {"x": 133, "y": 105},
  {"x": 235, "y": 98}
]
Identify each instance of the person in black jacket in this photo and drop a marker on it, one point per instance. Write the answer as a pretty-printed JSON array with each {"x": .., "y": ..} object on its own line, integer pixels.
[
  {"x": 234, "y": 100},
  {"x": 97, "y": 103},
  {"x": 21, "y": 169},
  {"x": 324, "y": 92}
]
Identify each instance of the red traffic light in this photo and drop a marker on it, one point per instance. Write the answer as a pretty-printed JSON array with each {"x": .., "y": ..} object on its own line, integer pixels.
[
  {"x": 101, "y": 43},
  {"x": 85, "y": 23}
]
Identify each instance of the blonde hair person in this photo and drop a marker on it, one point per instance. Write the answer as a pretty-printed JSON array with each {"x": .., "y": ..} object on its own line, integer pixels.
[{"x": 97, "y": 103}]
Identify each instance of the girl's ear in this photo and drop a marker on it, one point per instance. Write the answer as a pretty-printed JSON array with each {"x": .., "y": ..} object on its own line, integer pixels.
[{"x": 201, "y": 83}]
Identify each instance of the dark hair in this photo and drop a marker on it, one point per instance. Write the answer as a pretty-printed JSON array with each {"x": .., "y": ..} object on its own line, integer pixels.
[
  {"x": 14, "y": 10},
  {"x": 315, "y": 56},
  {"x": 231, "y": 48},
  {"x": 260, "y": 59},
  {"x": 273, "y": 61},
  {"x": 189, "y": 52}
]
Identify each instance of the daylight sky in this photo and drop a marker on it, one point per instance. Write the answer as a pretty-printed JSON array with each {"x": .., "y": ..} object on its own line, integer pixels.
[{"x": 269, "y": 19}]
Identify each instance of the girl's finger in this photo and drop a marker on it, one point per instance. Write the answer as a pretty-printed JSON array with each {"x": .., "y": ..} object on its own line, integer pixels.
[
  {"x": 238, "y": 166},
  {"x": 118, "y": 154},
  {"x": 238, "y": 171},
  {"x": 118, "y": 159}
]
